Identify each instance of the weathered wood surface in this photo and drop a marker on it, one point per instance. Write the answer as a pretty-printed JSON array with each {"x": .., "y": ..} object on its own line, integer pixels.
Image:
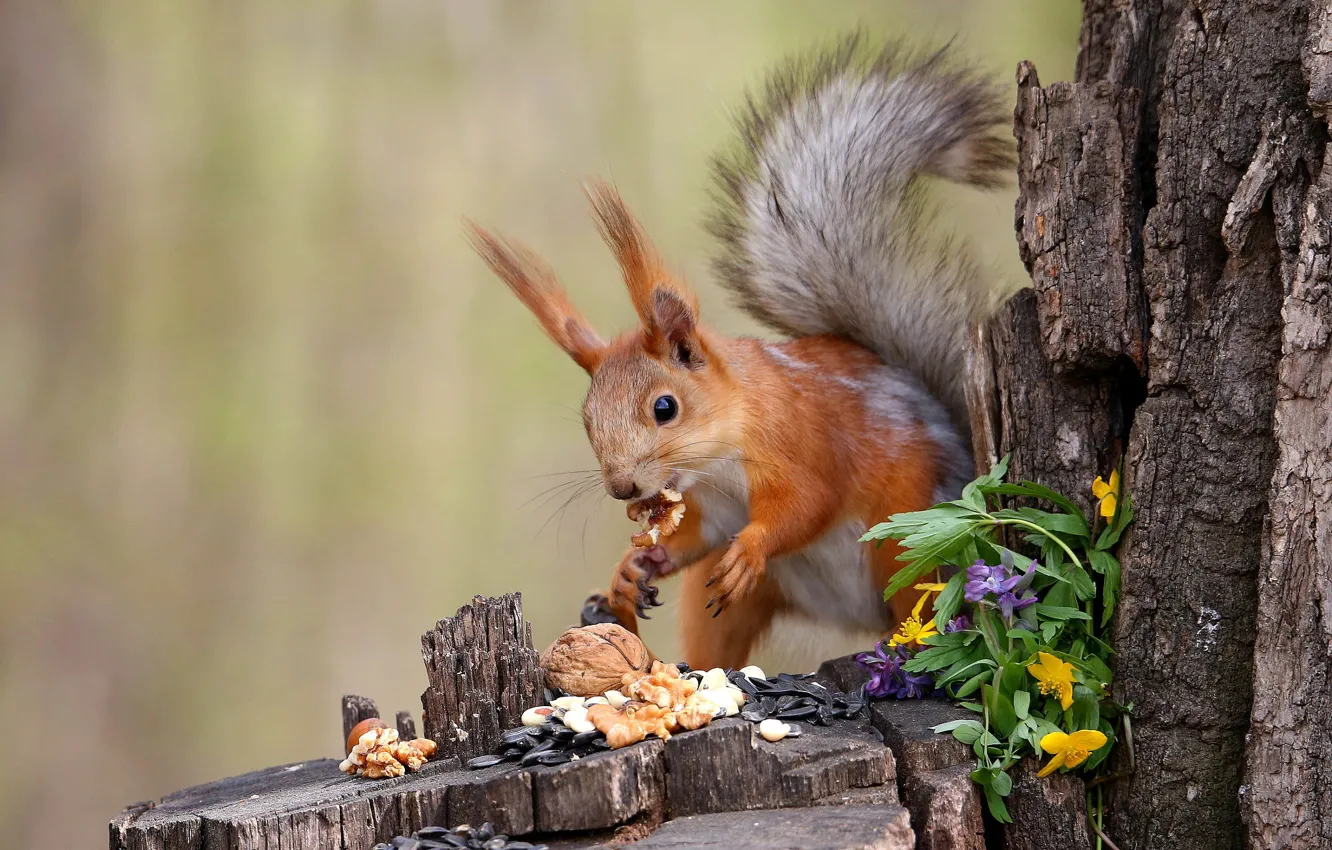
[
  {"x": 313, "y": 805},
  {"x": 356, "y": 708},
  {"x": 842, "y": 828},
  {"x": 1288, "y": 799},
  {"x": 726, "y": 767},
  {"x": 946, "y": 808},
  {"x": 1163, "y": 216},
  {"x": 483, "y": 674},
  {"x": 1043, "y": 807}
]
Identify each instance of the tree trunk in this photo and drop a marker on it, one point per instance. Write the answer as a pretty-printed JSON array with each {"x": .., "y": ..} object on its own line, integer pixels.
[{"x": 1173, "y": 218}]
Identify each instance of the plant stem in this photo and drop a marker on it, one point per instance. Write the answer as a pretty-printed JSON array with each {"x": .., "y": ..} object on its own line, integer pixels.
[{"x": 1036, "y": 528}]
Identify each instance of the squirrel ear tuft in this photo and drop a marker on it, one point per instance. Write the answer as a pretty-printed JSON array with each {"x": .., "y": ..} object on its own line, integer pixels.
[
  {"x": 645, "y": 275},
  {"x": 536, "y": 286}
]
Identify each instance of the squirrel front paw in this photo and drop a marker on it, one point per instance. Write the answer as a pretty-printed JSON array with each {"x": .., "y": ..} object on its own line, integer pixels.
[
  {"x": 736, "y": 575},
  {"x": 632, "y": 584}
]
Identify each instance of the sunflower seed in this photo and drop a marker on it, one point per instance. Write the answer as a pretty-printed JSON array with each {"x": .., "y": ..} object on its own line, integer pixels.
[{"x": 484, "y": 761}]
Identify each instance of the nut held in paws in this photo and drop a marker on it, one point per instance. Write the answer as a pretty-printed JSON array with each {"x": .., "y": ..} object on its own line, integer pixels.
[{"x": 590, "y": 660}]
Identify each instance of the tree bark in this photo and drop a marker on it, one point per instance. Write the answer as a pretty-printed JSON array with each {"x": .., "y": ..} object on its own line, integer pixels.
[
  {"x": 1288, "y": 798},
  {"x": 1180, "y": 301}
]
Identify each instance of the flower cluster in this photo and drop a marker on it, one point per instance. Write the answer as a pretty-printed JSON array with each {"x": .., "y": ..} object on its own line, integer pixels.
[
  {"x": 1000, "y": 586},
  {"x": 1021, "y": 642},
  {"x": 887, "y": 676}
]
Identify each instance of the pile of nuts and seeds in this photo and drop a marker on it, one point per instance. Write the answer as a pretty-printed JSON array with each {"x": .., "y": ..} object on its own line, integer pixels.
[
  {"x": 670, "y": 698},
  {"x": 374, "y": 751},
  {"x": 483, "y": 837}
]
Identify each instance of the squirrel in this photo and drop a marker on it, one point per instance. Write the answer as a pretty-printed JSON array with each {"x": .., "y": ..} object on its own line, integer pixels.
[{"x": 787, "y": 451}]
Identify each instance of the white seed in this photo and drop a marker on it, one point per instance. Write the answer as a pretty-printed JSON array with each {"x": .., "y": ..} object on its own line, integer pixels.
[
  {"x": 773, "y": 729},
  {"x": 536, "y": 716},
  {"x": 724, "y": 697},
  {"x": 616, "y": 699},
  {"x": 567, "y": 703},
  {"x": 714, "y": 678},
  {"x": 596, "y": 701},
  {"x": 753, "y": 672},
  {"x": 736, "y": 694},
  {"x": 576, "y": 719}
]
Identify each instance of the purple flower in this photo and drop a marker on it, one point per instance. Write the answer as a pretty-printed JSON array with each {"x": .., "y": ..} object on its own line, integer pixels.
[
  {"x": 915, "y": 686},
  {"x": 888, "y": 679},
  {"x": 1008, "y": 603},
  {"x": 958, "y": 624},
  {"x": 1010, "y": 592},
  {"x": 984, "y": 579}
]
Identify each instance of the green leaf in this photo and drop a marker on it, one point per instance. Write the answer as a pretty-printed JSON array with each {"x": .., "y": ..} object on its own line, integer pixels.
[
  {"x": 948, "y": 601},
  {"x": 1108, "y": 566},
  {"x": 1061, "y": 595},
  {"x": 1049, "y": 629},
  {"x": 1001, "y": 783},
  {"x": 970, "y": 686},
  {"x": 936, "y": 658},
  {"x": 1002, "y": 715},
  {"x": 1021, "y": 702},
  {"x": 967, "y": 731},
  {"x": 1111, "y": 534},
  {"x": 995, "y": 803},
  {"x": 1059, "y": 612},
  {"x": 1069, "y": 524},
  {"x": 1086, "y": 710}
]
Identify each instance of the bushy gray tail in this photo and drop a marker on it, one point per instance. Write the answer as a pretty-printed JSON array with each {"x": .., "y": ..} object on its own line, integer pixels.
[{"x": 822, "y": 226}]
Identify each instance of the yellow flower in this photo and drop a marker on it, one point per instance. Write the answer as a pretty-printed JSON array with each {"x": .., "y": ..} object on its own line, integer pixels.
[
  {"x": 1055, "y": 676},
  {"x": 931, "y": 588},
  {"x": 912, "y": 630},
  {"x": 1070, "y": 750},
  {"x": 1107, "y": 493}
]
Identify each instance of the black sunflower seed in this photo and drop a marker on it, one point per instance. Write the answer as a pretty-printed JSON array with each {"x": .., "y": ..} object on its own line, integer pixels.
[
  {"x": 754, "y": 715},
  {"x": 563, "y": 735},
  {"x": 583, "y": 739},
  {"x": 798, "y": 712},
  {"x": 555, "y": 757},
  {"x": 484, "y": 761}
]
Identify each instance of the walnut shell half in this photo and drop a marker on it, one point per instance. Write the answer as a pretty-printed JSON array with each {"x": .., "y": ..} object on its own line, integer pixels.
[{"x": 590, "y": 660}]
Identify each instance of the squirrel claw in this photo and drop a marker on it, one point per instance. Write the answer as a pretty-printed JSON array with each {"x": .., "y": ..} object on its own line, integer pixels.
[{"x": 596, "y": 609}]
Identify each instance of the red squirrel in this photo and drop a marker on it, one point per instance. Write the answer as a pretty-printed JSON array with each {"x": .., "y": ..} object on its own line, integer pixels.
[{"x": 786, "y": 452}]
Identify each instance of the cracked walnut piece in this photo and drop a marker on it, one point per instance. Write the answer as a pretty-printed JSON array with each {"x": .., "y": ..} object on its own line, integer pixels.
[
  {"x": 380, "y": 755},
  {"x": 660, "y": 703},
  {"x": 660, "y": 515}
]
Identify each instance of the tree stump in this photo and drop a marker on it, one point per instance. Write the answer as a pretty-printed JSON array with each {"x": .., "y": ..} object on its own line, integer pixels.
[
  {"x": 483, "y": 675},
  {"x": 1173, "y": 216}
]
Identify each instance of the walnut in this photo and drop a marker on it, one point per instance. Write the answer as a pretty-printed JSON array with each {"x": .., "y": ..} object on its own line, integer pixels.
[
  {"x": 620, "y": 729},
  {"x": 660, "y": 515},
  {"x": 590, "y": 660},
  {"x": 380, "y": 755},
  {"x": 415, "y": 752},
  {"x": 663, "y": 687},
  {"x": 660, "y": 703}
]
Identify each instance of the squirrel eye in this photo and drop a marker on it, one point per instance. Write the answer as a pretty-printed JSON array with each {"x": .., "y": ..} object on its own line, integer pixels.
[{"x": 665, "y": 408}]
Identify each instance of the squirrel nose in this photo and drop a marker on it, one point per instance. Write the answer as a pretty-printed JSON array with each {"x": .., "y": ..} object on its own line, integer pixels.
[{"x": 622, "y": 488}]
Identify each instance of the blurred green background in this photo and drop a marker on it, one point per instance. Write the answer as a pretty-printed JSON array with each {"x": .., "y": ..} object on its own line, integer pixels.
[{"x": 263, "y": 416}]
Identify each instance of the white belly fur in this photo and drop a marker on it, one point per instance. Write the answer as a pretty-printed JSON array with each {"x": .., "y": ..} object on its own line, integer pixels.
[{"x": 828, "y": 581}]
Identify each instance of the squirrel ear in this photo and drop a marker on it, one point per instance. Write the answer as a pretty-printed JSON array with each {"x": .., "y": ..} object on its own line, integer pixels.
[
  {"x": 645, "y": 275},
  {"x": 535, "y": 285},
  {"x": 673, "y": 323}
]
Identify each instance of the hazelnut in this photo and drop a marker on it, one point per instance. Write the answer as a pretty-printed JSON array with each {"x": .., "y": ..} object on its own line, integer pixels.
[
  {"x": 590, "y": 660},
  {"x": 361, "y": 728}
]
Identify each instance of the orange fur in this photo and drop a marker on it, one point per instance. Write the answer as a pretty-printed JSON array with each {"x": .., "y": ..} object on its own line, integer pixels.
[{"x": 790, "y": 426}]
